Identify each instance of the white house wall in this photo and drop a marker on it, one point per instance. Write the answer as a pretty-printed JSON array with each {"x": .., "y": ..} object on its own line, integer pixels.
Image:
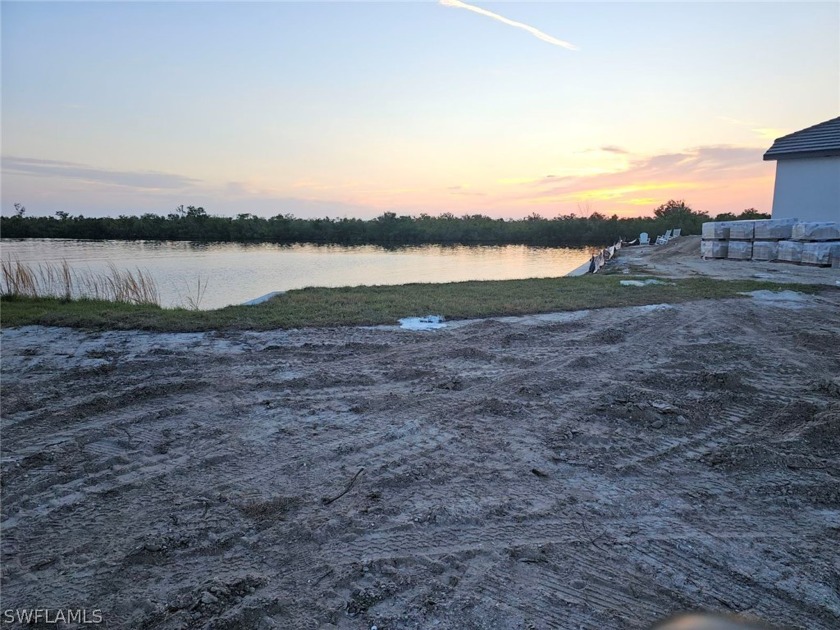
[{"x": 807, "y": 189}]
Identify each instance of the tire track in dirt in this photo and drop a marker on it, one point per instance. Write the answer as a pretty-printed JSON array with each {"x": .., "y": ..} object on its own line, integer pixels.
[
  {"x": 594, "y": 594},
  {"x": 417, "y": 540},
  {"x": 155, "y": 500},
  {"x": 737, "y": 591},
  {"x": 732, "y": 426}
]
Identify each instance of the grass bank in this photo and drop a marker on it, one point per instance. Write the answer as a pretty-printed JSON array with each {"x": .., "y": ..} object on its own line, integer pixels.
[{"x": 350, "y": 306}]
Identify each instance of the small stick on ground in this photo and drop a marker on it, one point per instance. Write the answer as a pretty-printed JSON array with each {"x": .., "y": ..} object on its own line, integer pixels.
[
  {"x": 318, "y": 581},
  {"x": 592, "y": 541},
  {"x": 327, "y": 500}
]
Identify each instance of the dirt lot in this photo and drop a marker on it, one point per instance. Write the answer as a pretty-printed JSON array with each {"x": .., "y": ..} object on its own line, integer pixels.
[
  {"x": 680, "y": 258},
  {"x": 588, "y": 470}
]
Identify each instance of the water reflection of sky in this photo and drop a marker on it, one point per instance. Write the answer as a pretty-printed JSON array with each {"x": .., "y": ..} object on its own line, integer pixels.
[{"x": 238, "y": 272}]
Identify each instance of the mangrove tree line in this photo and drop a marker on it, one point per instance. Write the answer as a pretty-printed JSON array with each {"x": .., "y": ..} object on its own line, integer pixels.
[{"x": 195, "y": 224}]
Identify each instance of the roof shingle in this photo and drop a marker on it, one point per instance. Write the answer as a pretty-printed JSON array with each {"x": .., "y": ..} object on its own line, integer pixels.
[{"x": 822, "y": 140}]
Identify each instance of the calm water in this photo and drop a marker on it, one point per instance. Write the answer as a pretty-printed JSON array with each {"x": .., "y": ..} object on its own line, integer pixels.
[{"x": 236, "y": 273}]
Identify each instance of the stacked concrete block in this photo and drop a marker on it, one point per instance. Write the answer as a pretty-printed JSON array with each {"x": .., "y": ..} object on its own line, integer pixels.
[
  {"x": 716, "y": 230},
  {"x": 790, "y": 251},
  {"x": 715, "y": 243},
  {"x": 820, "y": 253},
  {"x": 740, "y": 250},
  {"x": 820, "y": 242},
  {"x": 773, "y": 229},
  {"x": 816, "y": 231},
  {"x": 741, "y": 230},
  {"x": 714, "y": 249},
  {"x": 765, "y": 250},
  {"x": 767, "y": 234},
  {"x": 785, "y": 240}
]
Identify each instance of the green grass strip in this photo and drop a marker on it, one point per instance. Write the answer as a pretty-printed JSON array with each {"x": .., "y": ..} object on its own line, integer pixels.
[{"x": 367, "y": 305}]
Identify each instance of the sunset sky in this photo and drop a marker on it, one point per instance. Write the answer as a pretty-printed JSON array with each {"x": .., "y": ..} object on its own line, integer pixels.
[{"x": 356, "y": 108}]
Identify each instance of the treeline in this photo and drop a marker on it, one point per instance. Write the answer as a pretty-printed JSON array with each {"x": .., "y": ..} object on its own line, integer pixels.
[{"x": 194, "y": 224}]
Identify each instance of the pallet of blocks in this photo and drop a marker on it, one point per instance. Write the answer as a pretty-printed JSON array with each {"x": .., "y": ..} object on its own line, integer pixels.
[
  {"x": 790, "y": 251},
  {"x": 716, "y": 230},
  {"x": 741, "y": 230},
  {"x": 765, "y": 250},
  {"x": 714, "y": 249},
  {"x": 773, "y": 229},
  {"x": 816, "y": 231},
  {"x": 740, "y": 250},
  {"x": 821, "y": 254}
]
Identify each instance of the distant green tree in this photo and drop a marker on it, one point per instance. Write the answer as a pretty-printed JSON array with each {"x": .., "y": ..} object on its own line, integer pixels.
[
  {"x": 753, "y": 214},
  {"x": 671, "y": 208},
  {"x": 193, "y": 223},
  {"x": 195, "y": 212},
  {"x": 750, "y": 214}
]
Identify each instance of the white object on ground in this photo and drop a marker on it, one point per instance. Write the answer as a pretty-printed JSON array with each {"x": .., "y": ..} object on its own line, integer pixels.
[
  {"x": 430, "y": 322},
  {"x": 644, "y": 239},
  {"x": 580, "y": 271},
  {"x": 641, "y": 283},
  {"x": 649, "y": 308},
  {"x": 262, "y": 298},
  {"x": 661, "y": 240}
]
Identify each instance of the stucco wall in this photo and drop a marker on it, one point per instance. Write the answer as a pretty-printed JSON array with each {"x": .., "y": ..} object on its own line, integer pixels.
[{"x": 807, "y": 189}]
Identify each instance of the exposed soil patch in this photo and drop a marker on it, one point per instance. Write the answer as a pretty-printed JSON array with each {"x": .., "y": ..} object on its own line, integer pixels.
[{"x": 599, "y": 473}]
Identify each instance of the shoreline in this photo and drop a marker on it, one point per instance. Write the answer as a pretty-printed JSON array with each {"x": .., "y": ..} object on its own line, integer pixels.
[{"x": 386, "y": 304}]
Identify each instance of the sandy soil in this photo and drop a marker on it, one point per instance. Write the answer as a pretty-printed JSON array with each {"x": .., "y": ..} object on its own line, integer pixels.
[
  {"x": 680, "y": 258},
  {"x": 588, "y": 470}
]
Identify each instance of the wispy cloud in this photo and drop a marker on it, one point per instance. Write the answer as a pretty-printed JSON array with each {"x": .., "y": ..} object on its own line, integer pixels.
[
  {"x": 457, "y": 4},
  {"x": 765, "y": 133},
  {"x": 706, "y": 162},
  {"x": 147, "y": 180},
  {"x": 721, "y": 176}
]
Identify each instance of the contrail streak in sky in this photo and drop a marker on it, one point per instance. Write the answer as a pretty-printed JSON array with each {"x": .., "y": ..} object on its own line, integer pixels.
[{"x": 457, "y": 4}]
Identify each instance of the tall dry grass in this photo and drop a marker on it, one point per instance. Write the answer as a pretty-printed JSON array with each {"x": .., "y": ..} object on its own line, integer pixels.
[
  {"x": 62, "y": 281},
  {"x": 193, "y": 300}
]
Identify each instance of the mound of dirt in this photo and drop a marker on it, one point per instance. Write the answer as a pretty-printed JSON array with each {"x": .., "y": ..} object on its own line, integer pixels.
[{"x": 676, "y": 248}]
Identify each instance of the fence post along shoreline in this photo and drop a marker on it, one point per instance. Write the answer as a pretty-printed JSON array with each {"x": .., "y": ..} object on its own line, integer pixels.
[{"x": 600, "y": 259}]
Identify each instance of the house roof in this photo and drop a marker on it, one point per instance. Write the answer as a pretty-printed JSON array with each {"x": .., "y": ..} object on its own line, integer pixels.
[{"x": 821, "y": 140}]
